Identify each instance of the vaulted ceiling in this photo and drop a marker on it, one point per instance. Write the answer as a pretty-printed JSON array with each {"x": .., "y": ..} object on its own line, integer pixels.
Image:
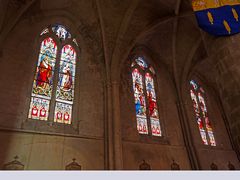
[{"x": 167, "y": 28}]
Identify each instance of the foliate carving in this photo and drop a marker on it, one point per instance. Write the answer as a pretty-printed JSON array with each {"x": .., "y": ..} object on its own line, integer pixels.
[
  {"x": 73, "y": 166},
  {"x": 175, "y": 166},
  {"x": 144, "y": 166},
  {"x": 14, "y": 165},
  {"x": 92, "y": 36}
]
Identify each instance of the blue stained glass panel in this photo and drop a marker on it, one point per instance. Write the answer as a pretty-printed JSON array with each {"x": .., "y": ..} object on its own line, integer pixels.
[
  {"x": 141, "y": 62},
  {"x": 61, "y": 32}
]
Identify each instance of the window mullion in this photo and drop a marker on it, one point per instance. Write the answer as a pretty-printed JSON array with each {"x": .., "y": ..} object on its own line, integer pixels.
[{"x": 55, "y": 83}]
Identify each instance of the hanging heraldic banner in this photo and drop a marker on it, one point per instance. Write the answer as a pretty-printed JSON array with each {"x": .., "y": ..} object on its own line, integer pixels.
[{"x": 218, "y": 17}]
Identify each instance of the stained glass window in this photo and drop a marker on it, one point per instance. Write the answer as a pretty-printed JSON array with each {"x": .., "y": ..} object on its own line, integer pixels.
[
  {"x": 201, "y": 113},
  {"x": 39, "y": 108},
  {"x": 61, "y": 32},
  {"x": 45, "y": 31},
  {"x": 140, "y": 103},
  {"x": 143, "y": 86},
  {"x": 43, "y": 80},
  {"x": 75, "y": 41},
  {"x": 152, "y": 105},
  {"x": 140, "y": 61},
  {"x": 45, "y": 91},
  {"x": 152, "y": 70},
  {"x": 65, "y": 87}
]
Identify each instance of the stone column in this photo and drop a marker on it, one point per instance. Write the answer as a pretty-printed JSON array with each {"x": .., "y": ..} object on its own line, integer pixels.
[
  {"x": 117, "y": 138},
  {"x": 108, "y": 130},
  {"x": 193, "y": 159}
]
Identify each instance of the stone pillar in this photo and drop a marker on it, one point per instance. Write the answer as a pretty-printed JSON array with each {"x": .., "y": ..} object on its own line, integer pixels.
[
  {"x": 193, "y": 159},
  {"x": 117, "y": 138},
  {"x": 108, "y": 129}
]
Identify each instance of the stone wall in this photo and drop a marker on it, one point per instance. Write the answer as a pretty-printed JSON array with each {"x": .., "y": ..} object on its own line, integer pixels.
[
  {"x": 40, "y": 144},
  {"x": 224, "y": 57},
  {"x": 104, "y": 134}
]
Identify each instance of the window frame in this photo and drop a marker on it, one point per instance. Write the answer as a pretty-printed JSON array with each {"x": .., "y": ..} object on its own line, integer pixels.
[
  {"x": 205, "y": 97},
  {"x": 30, "y": 123},
  {"x": 143, "y": 72}
]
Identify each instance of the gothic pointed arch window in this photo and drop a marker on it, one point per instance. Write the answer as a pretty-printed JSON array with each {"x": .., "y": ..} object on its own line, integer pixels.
[
  {"x": 52, "y": 94},
  {"x": 198, "y": 97},
  {"x": 146, "y": 107}
]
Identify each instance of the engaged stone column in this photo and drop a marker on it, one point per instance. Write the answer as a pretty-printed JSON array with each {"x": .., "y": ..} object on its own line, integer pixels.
[{"x": 117, "y": 137}]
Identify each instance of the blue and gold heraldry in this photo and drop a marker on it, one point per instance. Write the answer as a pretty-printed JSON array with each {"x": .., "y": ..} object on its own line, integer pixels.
[{"x": 218, "y": 17}]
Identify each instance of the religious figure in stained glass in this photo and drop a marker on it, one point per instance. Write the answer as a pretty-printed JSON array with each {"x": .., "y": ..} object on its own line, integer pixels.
[
  {"x": 143, "y": 86},
  {"x": 44, "y": 72},
  {"x": 42, "y": 85},
  {"x": 66, "y": 78},
  {"x": 152, "y": 105},
  {"x": 44, "y": 75},
  {"x": 201, "y": 113},
  {"x": 45, "y": 68},
  {"x": 140, "y": 103},
  {"x": 61, "y": 32},
  {"x": 65, "y": 88},
  {"x": 198, "y": 117}
]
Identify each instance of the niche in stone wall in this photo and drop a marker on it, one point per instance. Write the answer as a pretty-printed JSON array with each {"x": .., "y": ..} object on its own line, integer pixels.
[
  {"x": 73, "y": 165},
  {"x": 144, "y": 166},
  {"x": 14, "y": 165},
  {"x": 213, "y": 166},
  {"x": 175, "y": 166}
]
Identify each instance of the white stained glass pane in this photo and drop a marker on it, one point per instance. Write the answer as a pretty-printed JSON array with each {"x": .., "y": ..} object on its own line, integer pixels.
[
  {"x": 63, "y": 113},
  {"x": 68, "y": 54},
  {"x": 212, "y": 139},
  {"x": 141, "y": 62},
  {"x": 155, "y": 126},
  {"x": 75, "y": 41},
  {"x": 49, "y": 47},
  {"x": 142, "y": 125},
  {"x": 203, "y": 136},
  {"x": 45, "y": 31},
  {"x": 39, "y": 109}
]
